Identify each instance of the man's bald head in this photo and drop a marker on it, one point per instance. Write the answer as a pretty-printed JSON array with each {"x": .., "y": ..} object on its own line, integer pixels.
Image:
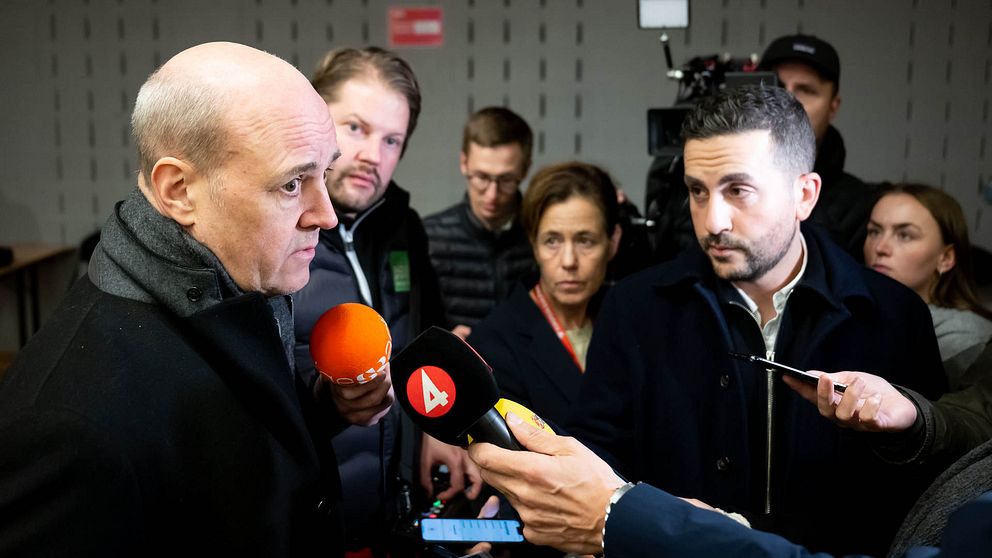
[
  {"x": 185, "y": 108},
  {"x": 234, "y": 146}
]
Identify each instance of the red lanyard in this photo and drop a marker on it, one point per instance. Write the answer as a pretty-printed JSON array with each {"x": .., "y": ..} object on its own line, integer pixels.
[{"x": 537, "y": 295}]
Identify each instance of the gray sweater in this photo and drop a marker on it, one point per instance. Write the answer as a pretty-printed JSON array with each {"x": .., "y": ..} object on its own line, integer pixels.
[{"x": 961, "y": 335}]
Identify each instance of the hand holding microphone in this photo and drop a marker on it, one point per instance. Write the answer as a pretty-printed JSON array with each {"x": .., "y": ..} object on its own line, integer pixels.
[
  {"x": 350, "y": 345},
  {"x": 559, "y": 487},
  {"x": 359, "y": 404}
]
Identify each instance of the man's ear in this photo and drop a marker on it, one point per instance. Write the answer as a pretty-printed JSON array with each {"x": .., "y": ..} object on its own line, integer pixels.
[
  {"x": 463, "y": 163},
  {"x": 172, "y": 182},
  {"x": 834, "y": 107},
  {"x": 807, "y": 192},
  {"x": 524, "y": 170}
]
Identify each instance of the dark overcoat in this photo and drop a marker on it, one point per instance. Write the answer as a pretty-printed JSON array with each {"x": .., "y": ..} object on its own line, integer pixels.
[
  {"x": 128, "y": 431},
  {"x": 666, "y": 403},
  {"x": 529, "y": 363}
]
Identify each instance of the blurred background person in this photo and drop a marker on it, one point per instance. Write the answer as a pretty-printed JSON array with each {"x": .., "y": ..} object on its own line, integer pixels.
[
  {"x": 477, "y": 246},
  {"x": 536, "y": 341},
  {"x": 918, "y": 235},
  {"x": 809, "y": 68}
]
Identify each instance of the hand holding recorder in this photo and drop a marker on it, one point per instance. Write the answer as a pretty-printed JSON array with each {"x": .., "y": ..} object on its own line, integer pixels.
[
  {"x": 870, "y": 403},
  {"x": 856, "y": 400}
]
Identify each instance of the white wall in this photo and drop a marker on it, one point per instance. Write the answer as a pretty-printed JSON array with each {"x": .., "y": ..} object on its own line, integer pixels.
[{"x": 915, "y": 77}]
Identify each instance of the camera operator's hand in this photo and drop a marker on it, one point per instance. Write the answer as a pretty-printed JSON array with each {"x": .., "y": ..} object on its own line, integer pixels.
[{"x": 460, "y": 467}]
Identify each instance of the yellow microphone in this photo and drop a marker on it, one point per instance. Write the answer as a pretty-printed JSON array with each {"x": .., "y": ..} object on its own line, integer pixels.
[{"x": 504, "y": 406}]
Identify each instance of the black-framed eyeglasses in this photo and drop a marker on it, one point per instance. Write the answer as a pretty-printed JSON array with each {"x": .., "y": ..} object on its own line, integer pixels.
[{"x": 505, "y": 183}]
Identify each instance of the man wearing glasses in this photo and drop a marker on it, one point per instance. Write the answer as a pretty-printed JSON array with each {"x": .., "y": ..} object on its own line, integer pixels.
[{"x": 477, "y": 246}]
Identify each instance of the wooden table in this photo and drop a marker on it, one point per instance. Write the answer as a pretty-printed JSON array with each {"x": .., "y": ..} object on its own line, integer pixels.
[{"x": 27, "y": 259}]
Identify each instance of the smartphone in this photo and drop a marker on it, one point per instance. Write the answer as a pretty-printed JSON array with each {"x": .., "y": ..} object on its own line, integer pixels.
[
  {"x": 436, "y": 529},
  {"x": 803, "y": 375}
]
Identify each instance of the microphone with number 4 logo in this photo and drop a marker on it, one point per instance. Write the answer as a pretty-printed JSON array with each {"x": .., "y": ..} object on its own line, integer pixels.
[{"x": 448, "y": 390}]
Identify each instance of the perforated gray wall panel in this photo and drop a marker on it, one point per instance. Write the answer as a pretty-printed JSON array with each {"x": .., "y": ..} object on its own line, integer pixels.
[{"x": 916, "y": 86}]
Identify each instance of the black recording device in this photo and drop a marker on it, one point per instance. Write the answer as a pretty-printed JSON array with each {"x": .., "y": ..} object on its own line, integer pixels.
[
  {"x": 807, "y": 377},
  {"x": 665, "y": 124},
  {"x": 699, "y": 78},
  {"x": 665, "y": 130}
]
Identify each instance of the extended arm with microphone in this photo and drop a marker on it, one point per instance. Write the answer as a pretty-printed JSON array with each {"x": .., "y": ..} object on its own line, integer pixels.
[{"x": 448, "y": 390}]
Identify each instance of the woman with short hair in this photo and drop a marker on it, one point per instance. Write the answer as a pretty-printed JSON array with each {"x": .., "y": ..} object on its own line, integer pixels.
[{"x": 536, "y": 341}]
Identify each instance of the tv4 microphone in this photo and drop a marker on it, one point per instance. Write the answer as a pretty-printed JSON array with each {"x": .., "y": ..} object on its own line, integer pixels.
[{"x": 448, "y": 390}]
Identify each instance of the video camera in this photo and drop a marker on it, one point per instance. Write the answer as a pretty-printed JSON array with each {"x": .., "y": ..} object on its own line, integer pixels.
[{"x": 666, "y": 205}]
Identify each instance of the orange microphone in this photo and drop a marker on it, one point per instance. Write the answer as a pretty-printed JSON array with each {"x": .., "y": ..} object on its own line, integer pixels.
[{"x": 350, "y": 344}]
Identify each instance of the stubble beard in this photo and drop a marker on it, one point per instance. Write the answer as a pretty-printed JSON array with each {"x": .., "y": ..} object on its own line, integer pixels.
[
  {"x": 346, "y": 201},
  {"x": 760, "y": 256}
]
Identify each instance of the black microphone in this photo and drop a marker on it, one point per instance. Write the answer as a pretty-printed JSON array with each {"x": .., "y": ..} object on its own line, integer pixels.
[
  {"x": 448, "y": 390},
  {"x": 668, "y": 51}
]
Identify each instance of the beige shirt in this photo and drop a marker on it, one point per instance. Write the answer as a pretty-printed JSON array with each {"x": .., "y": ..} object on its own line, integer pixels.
[{"x": 580, "y": 337}]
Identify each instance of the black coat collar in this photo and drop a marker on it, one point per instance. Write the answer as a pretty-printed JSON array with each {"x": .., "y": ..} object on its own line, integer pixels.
[{"x": 828, "y": 272}]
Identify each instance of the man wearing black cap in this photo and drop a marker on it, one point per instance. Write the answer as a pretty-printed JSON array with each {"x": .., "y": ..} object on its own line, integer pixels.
[{"x": 809, "y": 68}]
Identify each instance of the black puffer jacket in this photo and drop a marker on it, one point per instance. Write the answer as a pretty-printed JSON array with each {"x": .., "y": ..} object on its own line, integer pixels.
[
  {"x": 390, "y": 246},
  {"x": 476, "y": 267},
  {"x": 845, "y": 201}
]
